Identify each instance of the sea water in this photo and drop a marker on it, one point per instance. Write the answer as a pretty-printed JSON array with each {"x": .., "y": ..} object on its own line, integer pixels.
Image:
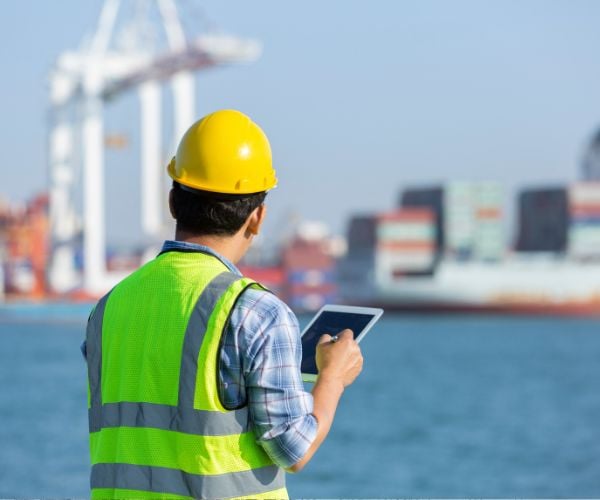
[{"x": 446, "y": 406}]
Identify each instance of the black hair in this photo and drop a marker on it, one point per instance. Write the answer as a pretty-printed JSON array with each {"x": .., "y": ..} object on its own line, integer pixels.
[{"x": 204, "y": 213}]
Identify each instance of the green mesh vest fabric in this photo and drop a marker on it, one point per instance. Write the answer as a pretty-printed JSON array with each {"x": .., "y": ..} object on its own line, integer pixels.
[{"x": 157, "y": 426}]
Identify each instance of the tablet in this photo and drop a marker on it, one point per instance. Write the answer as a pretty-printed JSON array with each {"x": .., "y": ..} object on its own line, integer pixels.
[{"x": 332, "y": 320}]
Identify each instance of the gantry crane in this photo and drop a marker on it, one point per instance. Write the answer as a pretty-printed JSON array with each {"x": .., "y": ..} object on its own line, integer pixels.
[{"x": 80, "y": 83}]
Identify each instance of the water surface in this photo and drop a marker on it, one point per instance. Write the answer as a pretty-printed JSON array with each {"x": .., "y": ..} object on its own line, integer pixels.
[{"x": 445, "y": 407}]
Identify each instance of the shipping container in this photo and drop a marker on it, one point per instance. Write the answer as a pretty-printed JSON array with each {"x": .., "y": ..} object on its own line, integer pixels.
[
  {"x": 311, "y": 277},
  {"x": 306, "y": 255},
  {"x": 406, "y": 243},
  {"x": 408, "y": 261},
  {"x": 431, "y": 198},
  {"x": 584, "y": 241},
  {"x": 584, "y": 228},
  {"x": 268, "y": 276},
  {"x": 584, "y": 215},
  {"x": 356, "y": 271},
  {"x": 465, "y": 214},
  {"x": 362, "y": 233},
  {"x": 543, "y": 220},
  {"x": 392, "y": 231},
  {"x": 272, "y": 277},
  {"x": 473, "y": 224},
  {"x": 309, "y": 272},
  {"x": 584, "y": 193}
]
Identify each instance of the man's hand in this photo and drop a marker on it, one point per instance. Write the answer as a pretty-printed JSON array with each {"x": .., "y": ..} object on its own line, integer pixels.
[{"x": 340, "y": 360}]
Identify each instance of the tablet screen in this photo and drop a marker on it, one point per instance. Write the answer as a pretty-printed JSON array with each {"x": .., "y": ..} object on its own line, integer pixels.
[{"x": 331, "y": 322}]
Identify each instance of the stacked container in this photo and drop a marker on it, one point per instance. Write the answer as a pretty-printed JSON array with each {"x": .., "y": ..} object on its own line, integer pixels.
[
  {"x": 468, "y": 218},
  {"x": 432, "y": 198},
  {"x": 355, "y": 272},
  {"x": 406, "y": 244},
  {"x": 584, "y": 214},
  {"x": 488, "y": 235},
  {"x": 459, "y": 219},
  {"x": 543, "y": 220},
  {"x": 309, "y": 275},
  {"x": 27, "y": 249}
]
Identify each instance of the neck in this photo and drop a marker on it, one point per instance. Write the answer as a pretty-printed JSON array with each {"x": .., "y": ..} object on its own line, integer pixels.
[{"x": 229, "y": 247}]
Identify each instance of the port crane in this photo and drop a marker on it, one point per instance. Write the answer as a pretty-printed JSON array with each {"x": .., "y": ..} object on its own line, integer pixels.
[{"x": 81, "y": 83}]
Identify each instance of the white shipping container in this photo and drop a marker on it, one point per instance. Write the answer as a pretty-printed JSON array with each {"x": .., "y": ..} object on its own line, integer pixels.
[
  {"x": 493, "y": 255},
  {"x": 495, "y": 233},
  {"x": 584, "y": 234},
  {"x": 488, "y": 195},
  {"x": 459, "y": 242},
  {"x": 459, "y": 225},
  {"x": 494, "y": 249},
  {"x": 584, "y": 250},
  {"x": 585, "y": 193},
  {"x": 402, "y": 231},
  {"x": 458, "y": 200},
  {"x": 462, "y": 226},
  {"x": 406, "y": 260},
  {"x": 489, "y": 240},
  {"x": 587, "y": 246}
]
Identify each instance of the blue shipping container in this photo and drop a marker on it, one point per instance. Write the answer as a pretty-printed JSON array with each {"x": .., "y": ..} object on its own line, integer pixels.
[{"x": 311, "y": 276}]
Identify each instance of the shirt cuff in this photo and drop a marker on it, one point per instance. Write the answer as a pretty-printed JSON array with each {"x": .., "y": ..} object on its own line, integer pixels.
[{"x": 288, "y": 445}]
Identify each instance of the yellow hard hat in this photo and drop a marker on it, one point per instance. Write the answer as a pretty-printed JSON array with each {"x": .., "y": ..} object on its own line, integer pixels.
[{"x": 224, "y": 152}]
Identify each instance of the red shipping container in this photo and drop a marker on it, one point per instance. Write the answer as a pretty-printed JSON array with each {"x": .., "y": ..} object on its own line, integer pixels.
[
  {"x": 587, "y": 210},
  {"x": 408, "y": 215},
  {"x": 268, "y": 276},
  {"x": 489, "y": 213},
  {"x": 424, "y": 246},
  {"x": 306, "y": 255}
]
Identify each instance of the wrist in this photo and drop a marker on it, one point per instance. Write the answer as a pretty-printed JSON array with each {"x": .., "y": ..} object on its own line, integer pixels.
[{"x": 333, "y": 382}]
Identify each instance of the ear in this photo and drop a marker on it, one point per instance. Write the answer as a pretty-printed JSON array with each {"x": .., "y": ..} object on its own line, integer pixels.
[{"x": 256, "y": 219}]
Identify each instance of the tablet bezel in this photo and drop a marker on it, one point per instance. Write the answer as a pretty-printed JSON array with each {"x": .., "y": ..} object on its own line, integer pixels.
[{"x": 374, "y": 311}]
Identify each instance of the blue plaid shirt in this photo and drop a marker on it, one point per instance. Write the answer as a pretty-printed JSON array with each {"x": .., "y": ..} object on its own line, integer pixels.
[{"x": 260, "y": 367}]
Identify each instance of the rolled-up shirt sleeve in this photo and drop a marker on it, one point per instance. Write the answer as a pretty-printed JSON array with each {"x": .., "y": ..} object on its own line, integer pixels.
[{"x": 280, "y": 407}]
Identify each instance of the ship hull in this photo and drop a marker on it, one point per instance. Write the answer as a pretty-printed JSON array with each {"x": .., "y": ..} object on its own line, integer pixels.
[{"x": 526, "y": 286}]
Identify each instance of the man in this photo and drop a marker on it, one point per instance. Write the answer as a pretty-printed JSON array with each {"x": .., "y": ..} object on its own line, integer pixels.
[{"x": 194, "y": 371}]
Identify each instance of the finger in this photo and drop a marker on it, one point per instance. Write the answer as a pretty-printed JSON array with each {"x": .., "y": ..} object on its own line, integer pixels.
[
  {"x": 324, "y": 339},
  {"x": 347, "y": 333}
]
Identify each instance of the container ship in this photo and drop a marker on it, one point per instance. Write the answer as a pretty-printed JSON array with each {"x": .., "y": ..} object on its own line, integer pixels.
[{"x": 443, "y": 249}]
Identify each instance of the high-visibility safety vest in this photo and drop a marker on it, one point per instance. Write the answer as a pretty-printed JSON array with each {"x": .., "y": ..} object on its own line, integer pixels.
[{"x": 157, "y": 426}]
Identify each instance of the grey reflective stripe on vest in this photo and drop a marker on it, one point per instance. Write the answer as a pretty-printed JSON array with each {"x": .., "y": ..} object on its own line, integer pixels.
[
  {"x": 182, "y": 418},
  {"x": 172, "y": 418},
  {"x": 194, "y": 335},
  {"x": 164, "y": 480},
  {"x": 93, "y": 339}
]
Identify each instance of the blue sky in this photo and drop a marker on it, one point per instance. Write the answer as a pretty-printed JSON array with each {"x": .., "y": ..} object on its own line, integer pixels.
[{"x": 358, "y": 98}]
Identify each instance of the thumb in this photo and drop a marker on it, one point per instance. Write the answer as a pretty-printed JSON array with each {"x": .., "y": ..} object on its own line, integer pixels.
[{"x": 324, "y": 339}]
